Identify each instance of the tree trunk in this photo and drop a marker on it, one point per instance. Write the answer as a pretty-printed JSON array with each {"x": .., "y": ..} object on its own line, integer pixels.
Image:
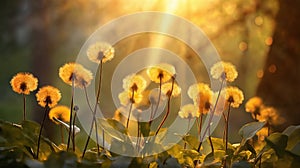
[{"x": 280, "y": 84}]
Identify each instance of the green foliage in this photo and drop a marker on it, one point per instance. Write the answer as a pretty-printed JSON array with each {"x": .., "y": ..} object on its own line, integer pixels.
[{"x": 18, "y": 147}]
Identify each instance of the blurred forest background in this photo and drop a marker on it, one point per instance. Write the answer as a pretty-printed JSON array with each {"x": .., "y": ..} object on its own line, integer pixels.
[{"x": 261, "y": 37}]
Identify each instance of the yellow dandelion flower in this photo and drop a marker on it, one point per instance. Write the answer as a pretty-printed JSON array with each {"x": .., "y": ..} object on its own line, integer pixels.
[
  {"x": 24, "y": 83},
  {"x": 134, "y": 83},
  {"x": 163, "y": 71},
  {"x": 48, "y": 95},
  {"x": 76, "y": 72},
  {"x": 125, "y": 98},
  {"x": 253, "y": 104},
  {"x": 234, "y": 96},
  {"x": 60, "y": 112},
  {"x": 188, "y": 111},
  {"x": 100, "y": 51},
  {"x": 224, "y": 70},
  {"x": 166, "y": 88},
  {"x": 270, "y": 115},
  {"x": 202, "y": 96}
]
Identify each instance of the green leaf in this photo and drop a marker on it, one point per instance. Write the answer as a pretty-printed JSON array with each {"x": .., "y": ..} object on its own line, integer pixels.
[
  {"x": 293, "y": 132},
  {"x": 33, "y": 163},
  {"x": 161, "y": 135},
  {"x": 241, "y": 164},
  {"x": 278, "y": 142},
  {"x": 296, "y": 149},
  {"x": 31, "y": 128},
  {"x": 113, "y": 128},
  {"x": 12, "y": 156},
  {"x": 145, "y": 128},
  {"x": 151, "y": 147},
  {"x": 123, "y": 146},
  {"x": 214, "y": 159},
  {"x": 192, "y": 141},
  {"x": 61, "y": 159},
  {"x": 249, "y": 130},
  {"x": 171, "y": 163},
  {"x": 117, "y": 125},
  {"x": 121, "y": 162},
  {"x": 218, "y": 145}
]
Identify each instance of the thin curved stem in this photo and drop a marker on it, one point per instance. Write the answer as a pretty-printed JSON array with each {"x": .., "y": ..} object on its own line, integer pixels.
[
  {"x": 73, "y": 129},
  {"x": 200, "y": 124},
  {"x": 227, "y": 126},
  {"x": 40, "y": 133},
  {"x": 211, "y": 143},
  {"x": 94, "y": 114},
  {"x": 130, "y": 109},
  {"x": 188, "y": 128},
  {"x": 93, "y": 122},
  {"x": 213, "y": 111},
  {"x": 71, "y": 113},
  {"x": 158, "y": 101},
  {"x": 168, "y": 108},
  {"x": 138, "y": 136},
  {"x": 226, "y": 133}
]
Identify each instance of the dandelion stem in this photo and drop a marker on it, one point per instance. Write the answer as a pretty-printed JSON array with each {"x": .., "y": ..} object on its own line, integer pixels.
[
  {"x": 94, "y": 121},
  {"x": 168, "y": 108},
  {"x": 138, "y": 136},
  {"x": 87, "y": 98},
  {"x": 158, "y": 101},
  {"x": 103, "y": 139},
  {"x": 188, "y": 128},
  {"x": 211, "y": 116},
  {"x": 71, "y": 118},
  {"x": 24, "y": 107},
  {"x": 213, "y": 111},
  {"x": 130, "y": 109},
  {"x": 227, "y": 125},
  {"x": 40, "y": 133},
  {"x": 211, "y": 143},
  {"x": 94, "y": 114},
  {"x": 200, "y": 124},
  {"x": 226, "y": 133},
  {"x": 73, "y": 129}
]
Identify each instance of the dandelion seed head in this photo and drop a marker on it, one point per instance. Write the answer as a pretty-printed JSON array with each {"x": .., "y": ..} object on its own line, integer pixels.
[
  {"x": 100, "y": 51},
  {"x": 270, "y": 115},
  {"x": 166, "y": 88},
  {"x": 24, "y": 83},
  {"x": 224, "y": 70},
  {"x": 253, "y": 104},
  {"x": 234, "y": 96},
  {"x": 201, "y": 94},
  {"x": 188, "y": 111},
  {"x": 77, "y": 73},
  {"x": 60, "y": 112},
  {"x": 163, "y": 72},
  {"x": 126, "y": 98},
  {"x": 48, "y": 95},
  {"x": 134, "y": 83}
]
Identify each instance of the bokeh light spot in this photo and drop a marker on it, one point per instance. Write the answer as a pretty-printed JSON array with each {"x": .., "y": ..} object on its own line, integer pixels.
[
  {"x": 243, "y": 46},
  {"x": 272, "y": 68},
  {"x": 258, "y": 20},
  {"x": 260, "y": 73}
]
